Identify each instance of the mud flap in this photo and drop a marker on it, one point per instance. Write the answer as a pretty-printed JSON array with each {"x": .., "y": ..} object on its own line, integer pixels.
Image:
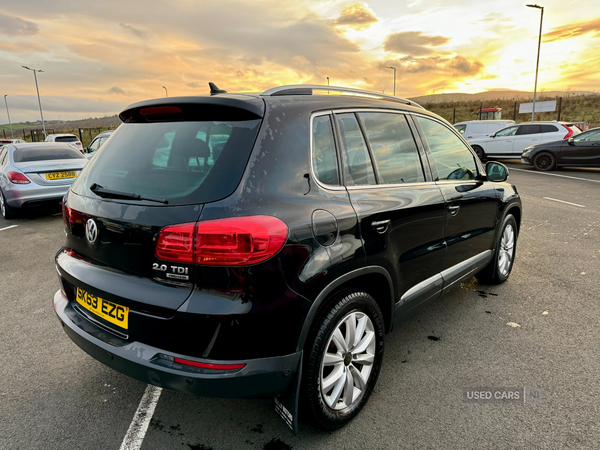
[{"x": 287, "y": 404}]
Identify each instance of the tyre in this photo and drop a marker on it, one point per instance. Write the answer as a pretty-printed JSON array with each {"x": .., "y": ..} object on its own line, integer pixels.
[
  {"x": 343, "y": 357},
  {"x": 7, "y": 211},
  {"x": 479, "y": 151},
  {"x": 544, "y": 161},
  {"x": 499, "y": 268}
]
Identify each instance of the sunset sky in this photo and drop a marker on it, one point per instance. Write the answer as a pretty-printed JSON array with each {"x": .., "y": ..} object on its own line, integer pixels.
[{"x": 98, "y": 57}]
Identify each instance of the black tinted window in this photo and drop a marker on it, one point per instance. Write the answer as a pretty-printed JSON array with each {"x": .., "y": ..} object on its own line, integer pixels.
[
  {"x": 324, "y": 158},
  {"x": 66, "y": 139},
  {"x": 393, "y": 147},
  {"x": 358, "y": 169},
  {"x": 182, "y": 162},
  {"x": 453, "y": 160},
  {"x": 549, "y": 129},
  {"x": 529, "y": 129},
  {"x": 45, "y": 154}
]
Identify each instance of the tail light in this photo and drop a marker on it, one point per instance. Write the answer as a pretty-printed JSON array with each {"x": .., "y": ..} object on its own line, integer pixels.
[
  {"x": 570, "y": 132},
  {"x": 237, "y": 241},
  {"x": 17, "y": 178},
  {"x": 72, "y": 216}
]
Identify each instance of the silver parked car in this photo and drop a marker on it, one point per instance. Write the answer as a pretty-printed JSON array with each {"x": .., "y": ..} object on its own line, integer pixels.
[{"x": 31, "y": 174}]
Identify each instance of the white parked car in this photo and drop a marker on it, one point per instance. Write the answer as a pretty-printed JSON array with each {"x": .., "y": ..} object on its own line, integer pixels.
[
  {"x": 474, "y": 129},
  {"x": 510, "y": 142},
  {"x": 68, "y": 138}
]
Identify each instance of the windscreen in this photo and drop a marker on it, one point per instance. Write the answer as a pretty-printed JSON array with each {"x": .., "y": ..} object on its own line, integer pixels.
[
  {"x": 45, "y": 154},
  {"x": 181, "y": 162},
  {"x": 66, "y": 139}
]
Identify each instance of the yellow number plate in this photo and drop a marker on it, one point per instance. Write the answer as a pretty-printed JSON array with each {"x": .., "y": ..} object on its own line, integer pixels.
[
  {"x": 59, "y": 175},
  {"x": 109, "y": 311}
]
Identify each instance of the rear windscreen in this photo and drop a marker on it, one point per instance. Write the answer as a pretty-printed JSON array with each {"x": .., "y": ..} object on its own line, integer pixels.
[
  {"x": 66, "y": 139},
  {"x": 45, "y": 154},
  {"x": 182, "y": 162}
]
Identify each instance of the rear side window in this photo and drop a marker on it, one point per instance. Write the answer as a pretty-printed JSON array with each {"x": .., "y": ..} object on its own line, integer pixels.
[
  {"x": 529, "y": 129},
  {"x": 453, "y": 161},
  {"x": 358, "y": 168},
  {"x": 66, "y": 139},
  {"x": 182, "y": 162},
  {"x": 324, "y": 158},
  {"x": 45, "y": 154},
  {"x": 549, "y": 129},
  {"x": 393, "y": 147}
]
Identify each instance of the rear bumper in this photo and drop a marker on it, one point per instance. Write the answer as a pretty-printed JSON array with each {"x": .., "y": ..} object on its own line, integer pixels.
[
  {"x": 264, "y": 377},
  {"x": 31, "y": 194}
]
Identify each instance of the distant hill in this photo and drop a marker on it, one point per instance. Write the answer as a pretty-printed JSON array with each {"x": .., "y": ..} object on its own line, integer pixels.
[{"x": 494, "y": 94}]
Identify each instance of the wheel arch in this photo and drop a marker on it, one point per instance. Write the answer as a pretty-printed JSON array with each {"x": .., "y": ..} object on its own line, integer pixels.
[{"x": 374, "y": 280}]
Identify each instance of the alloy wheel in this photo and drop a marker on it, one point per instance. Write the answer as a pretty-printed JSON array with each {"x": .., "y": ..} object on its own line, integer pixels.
[
  {"x": 348, "y": 361},
  {"x": 507, "y": 250}
]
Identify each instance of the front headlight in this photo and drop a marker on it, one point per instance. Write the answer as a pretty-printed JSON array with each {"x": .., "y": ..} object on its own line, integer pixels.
[{"x": 528, "y": 150}]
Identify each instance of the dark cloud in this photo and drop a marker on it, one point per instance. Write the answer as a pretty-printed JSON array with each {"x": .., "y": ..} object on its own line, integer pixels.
[
  {"x": 116, "y": 90},
  {"x": 462, "y": 66},
  {"x": 413, "y": 43},
  {"x": 14, "y": 26},
  {"x": 573, "y": 30},
  {"x": 139, "y": 33},
  {"x": 356, "y": 15}
]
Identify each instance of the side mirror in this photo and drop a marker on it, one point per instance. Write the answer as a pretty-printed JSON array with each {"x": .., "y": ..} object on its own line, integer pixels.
[
  {"x": 571, "y": 141},
  {"x": 493, "y": 135},
  {"x": 496, "y": 171}
]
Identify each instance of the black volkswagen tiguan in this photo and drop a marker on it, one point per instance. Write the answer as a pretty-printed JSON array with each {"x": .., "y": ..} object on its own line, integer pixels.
[{"x": 254, "y": 245}]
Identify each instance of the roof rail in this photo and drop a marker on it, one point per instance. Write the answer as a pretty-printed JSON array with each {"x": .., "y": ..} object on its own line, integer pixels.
[{"x": 307, "y": 89}]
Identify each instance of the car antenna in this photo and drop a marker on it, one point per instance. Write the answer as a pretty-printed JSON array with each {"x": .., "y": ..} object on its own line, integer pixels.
[{"x": 214, "y": 90}]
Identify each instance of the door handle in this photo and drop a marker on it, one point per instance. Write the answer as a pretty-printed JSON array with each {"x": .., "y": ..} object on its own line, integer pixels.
[
  {"x": 453, "y": 209},
  {"x": 381, "y": 226}
]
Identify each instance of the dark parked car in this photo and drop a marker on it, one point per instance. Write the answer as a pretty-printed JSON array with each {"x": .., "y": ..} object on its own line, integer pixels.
[
  {"x": 96, "y": 143},
  {"x": 239, "y": 245},
  {"x": 582, "y": 150}
]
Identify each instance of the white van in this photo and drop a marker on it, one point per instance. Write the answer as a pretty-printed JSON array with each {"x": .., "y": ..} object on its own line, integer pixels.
[{"x": 474, "y": 129}]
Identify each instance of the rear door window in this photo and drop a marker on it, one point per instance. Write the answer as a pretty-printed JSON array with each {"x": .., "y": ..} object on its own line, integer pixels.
[
  {"x": 182, "y": 162},
  {"x": 394, "y": 148},
  {"x": 549, "y": 129},
  {"x": 453, "y": 160},
  {"x": 324, "y": 157},
  {"x": 358, "y": 168},
  {"x": 529, "y": 129}
]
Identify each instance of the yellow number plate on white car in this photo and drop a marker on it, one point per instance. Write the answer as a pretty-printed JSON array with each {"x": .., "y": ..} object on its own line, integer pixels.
[
  {"x": 59, "y": 175},
  {"x": 109, "y": 311}
]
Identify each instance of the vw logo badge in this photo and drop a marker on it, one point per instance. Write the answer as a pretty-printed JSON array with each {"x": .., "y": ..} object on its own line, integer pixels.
[{"x": 91, "y": 231}]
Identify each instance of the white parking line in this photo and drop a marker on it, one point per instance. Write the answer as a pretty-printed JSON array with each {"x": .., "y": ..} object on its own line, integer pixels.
[
  {"x": 562, "y": 201},
  {"x": 138, "y": 427},
  {"x": 8, "y": 228},
  {"x": 555, "y": 175}
]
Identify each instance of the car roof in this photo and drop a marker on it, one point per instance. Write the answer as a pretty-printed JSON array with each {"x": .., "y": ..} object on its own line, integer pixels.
[{"x": 62, "y": 135}]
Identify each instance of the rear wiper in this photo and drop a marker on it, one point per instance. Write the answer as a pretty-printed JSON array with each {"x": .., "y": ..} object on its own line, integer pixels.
[{"x": 108, "y": 193}]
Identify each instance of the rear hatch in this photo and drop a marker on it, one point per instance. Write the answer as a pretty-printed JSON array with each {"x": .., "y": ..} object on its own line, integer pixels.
[{"x": 158, "y": 169}]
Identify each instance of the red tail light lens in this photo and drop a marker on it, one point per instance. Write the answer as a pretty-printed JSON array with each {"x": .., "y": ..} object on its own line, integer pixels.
[
  {"x": 73, "y": 217},
  {"x": 17, "y": 178},
  {"x": 569, "y": 134},
  {"x": 160, "y": 110},
  {"x": 209, "y": 366},
  {"x": 176, "y": 243},
  {"x": 239, "y": 240},
  {"x": 224, "y": 242}
]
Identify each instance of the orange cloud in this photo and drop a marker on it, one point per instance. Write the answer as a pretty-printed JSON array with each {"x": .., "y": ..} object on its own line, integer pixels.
[
  {"x": 356, "y": 15},
  {"x": 573, "y": 30}
]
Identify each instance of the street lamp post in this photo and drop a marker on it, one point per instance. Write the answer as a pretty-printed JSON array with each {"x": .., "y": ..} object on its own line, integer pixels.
[
  {"x": 8, "y": 114},
  {"x": 38, "y": 94},
  {"x": 166, "y": 92},
  {"x": 394, "y": 78},
  {"x": 537, "y": 64}
]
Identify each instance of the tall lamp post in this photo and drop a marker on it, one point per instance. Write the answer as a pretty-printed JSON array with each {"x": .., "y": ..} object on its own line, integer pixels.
[
  {"x": 537, "y": 64},
  {"x": 8, "y": 114},
  {"x": 394, "y": 78},
  {"x": 166, "y": 92},
  {"x": 38, "y": 94}
]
